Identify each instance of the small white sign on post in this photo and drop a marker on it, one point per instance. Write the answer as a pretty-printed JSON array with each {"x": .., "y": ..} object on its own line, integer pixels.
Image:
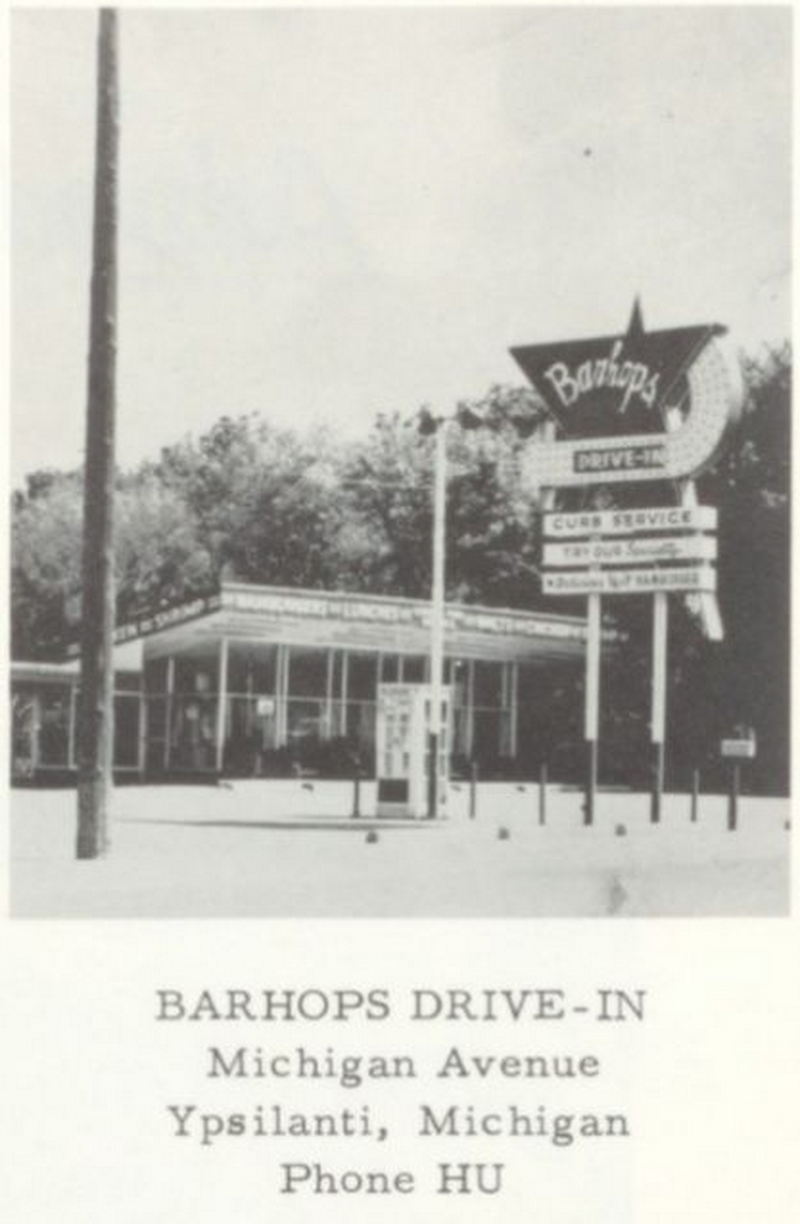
[{"x": 738, "y": 749}]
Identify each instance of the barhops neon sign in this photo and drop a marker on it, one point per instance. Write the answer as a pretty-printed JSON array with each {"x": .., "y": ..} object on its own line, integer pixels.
[
  {"x": 640, "y": 406},
  {"x": 634, "y": 378}
]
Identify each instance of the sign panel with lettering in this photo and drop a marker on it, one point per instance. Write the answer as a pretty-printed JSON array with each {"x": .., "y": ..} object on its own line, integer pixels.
[
  {"x": 632, "y": 551},
  {"x": 630, "y": 581},
  {"x": 611, "y": 386},
  {"x": 627, "y": 522},
  {"x": 383, "y": 610},
  {"x": 611, "y": 460},
  {"x": 738, "y": 749},
  {"x": 654, "y": 405}
]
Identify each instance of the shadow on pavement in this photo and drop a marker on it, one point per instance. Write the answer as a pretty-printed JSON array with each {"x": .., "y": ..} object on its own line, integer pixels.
[{"x": 333, "y": 824}]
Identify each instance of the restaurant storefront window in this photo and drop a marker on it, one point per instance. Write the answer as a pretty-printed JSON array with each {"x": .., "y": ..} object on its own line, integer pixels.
[
  {"x": 193, "y": 732},
  {"x": 155, "y": 759},
  {"x": 456, "y": 674},
  {"x": 488, "y": 686},
  {"x": 126, "y": 730},
  {"x": 251, "y": 716},
  {"x": 54, "y": 727},
  {"x": 44, "y": 729},
  {"x": 362, "y": 677},
  {"x": 308, "y": 673},
  {"x": 359, "y": 717},
  {"x": 252, "y": 669},
  {"x": 415, "y": 669},
  {"x": 390, "y": 669},
  {"x": 217, "y": 691},
  {"x": 492, "y": 714},
  {"x": 23, "y": 734},
  {"x": 307, "y": 704},
  {"x": 195, "y": 675}
]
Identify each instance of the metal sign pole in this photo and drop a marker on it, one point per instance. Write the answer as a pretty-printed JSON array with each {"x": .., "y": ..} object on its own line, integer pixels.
[
  {"x": 592, "y": 702},
  {"x": 683, "y": 390},
  {"x": 658, "y": 714},
  {"x": 740, "y": 748}
]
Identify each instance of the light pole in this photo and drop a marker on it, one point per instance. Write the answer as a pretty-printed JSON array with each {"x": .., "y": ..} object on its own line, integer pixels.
[{"x": 437, "y": 425}]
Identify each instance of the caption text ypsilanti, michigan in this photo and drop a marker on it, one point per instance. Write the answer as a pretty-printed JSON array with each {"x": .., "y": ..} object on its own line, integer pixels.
[{"x": 292, "y": 1065}]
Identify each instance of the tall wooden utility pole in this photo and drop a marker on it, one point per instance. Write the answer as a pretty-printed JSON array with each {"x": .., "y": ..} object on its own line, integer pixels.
[{"x": 96, "y": 708}]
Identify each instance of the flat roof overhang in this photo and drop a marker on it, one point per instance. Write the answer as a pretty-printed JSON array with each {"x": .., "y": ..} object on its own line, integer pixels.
[
  {"x": 324, "y": 619},
  {"x": 128, "y": 656}
]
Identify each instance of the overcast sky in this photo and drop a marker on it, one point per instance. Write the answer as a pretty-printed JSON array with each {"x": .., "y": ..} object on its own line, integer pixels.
[{"x": 327, "y": 214}]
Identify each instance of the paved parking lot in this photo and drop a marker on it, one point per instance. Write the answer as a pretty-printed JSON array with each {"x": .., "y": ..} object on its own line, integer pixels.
[{"x": 293, "y": 849}]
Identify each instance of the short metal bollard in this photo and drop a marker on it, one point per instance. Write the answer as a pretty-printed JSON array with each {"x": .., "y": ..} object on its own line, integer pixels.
[
  {"x": 543, "y": 793},
  {"x": 473, "y": 790},
  {"x": 357, "y": 795},
  {"x": 733, "y": 798},
  {"x": 695, "y": 795}
]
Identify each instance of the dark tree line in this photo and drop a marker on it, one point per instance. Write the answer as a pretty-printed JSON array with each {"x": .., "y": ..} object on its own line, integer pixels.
[
  {"x": 743, "y": 680},
  {"x": 271, "y": 506}
]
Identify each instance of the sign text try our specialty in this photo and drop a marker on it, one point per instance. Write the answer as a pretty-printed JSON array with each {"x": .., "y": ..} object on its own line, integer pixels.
[{"x": 631, "y": 551}]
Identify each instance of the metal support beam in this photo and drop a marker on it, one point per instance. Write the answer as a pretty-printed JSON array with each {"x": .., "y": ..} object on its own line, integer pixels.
[
  {"x": 658, "y": 713},
  {"x": 591, "y": 714},
  {"x": 222, "y": 702},
  {"x": 71, "y": 725},
  {"x": 344, "y": 690},
  {"x": 142, "y": 729},
  {"x": 282, "y": 692},
  {"x": 437, "y": 617},
  {"x": 512, "y": 697},
  {"x": 168, "y": 711},
  {"x": 328, "y": 715},
  {"x": 470, "y": 733}
]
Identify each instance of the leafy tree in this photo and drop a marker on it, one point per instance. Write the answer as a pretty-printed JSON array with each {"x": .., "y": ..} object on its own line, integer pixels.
[
  {"x": 159, "y": 555},
  {"x": 45, "y": 570},
  {"x": 490, "y": 547},
  {"x": 746, "y": 677},
  {"x": 262, "y": 501}
]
